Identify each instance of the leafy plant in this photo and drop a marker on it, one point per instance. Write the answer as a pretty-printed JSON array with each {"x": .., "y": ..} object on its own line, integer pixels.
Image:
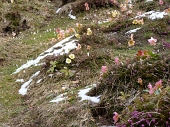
[
  {"x": 53, "y": 65},
  {"x": 123, "y": 96},
  {"x": 67, "y": 72},
  {"x": 148, "y": 110}
]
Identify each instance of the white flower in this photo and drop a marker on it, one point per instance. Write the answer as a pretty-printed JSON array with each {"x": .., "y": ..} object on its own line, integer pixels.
[
  {"x": 72, "y": 56},
  {"x": 89, "y": 32},
  {"x": 68, "y": 60}
]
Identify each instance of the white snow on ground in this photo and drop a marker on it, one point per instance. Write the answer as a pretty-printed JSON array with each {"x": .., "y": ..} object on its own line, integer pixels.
[
  {"x": 58, "y": 10},
  {"x": 39, "y": 81},
  {"x": 19, "y": 80},
  {"x": 59, "y": 98},
  {"x": 132, "y": 31},
  {"x": 157, "y": 15},
  {"x": 71, "y": 16},
  {"x": 149, "y": 0},
  {"x": 82, "y": 93},
  {"x": 66, "y": 45},
  {"x": 152, "y": 15},
  {"x": 25, "y": 86}
]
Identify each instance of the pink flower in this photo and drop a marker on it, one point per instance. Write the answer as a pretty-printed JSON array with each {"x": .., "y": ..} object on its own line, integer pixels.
[
  {"x": 87, "y": 6},
  {"x": 58, "y": 30},
  {"x": 158, "y": 85},
  {"x": 67, "y": 31},
  {"x": 152, "y": 41},
  {"x": 115, "y": 117},
  {"x": 104, "y": 69},
  {"x": 151, "y": 89},
  {"x": 140, "y": 53},
  {"x": 161, "y": 2},
  {"x": 117, "y": 61}
]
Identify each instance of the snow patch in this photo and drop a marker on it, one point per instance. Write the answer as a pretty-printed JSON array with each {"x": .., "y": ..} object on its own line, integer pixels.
[
  {"x": 58, "y": 10},
  {"x": 157, "y": 15},
  {"x": 66, "y": 45},
  {"x": 82, "y": 93},
  {"x": 149, "y": 1},
  {"x": 132, "y": 31},
  {"x": 152, "y": 15},
  {"x": 71, "y": 16},
  {"x": 39, "y": 81},
  {"x": 59, "y": 98},
  {"x": 19, "y": 80},
  {"x": 25, "y": 86}
]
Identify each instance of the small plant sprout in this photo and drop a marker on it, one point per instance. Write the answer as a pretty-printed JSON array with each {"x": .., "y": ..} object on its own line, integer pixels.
[
  {"x": 67, "y": 72},
  {"x": 53, "y": 65},
  {"x": 123, "y": 96},
  {"x": 115, "y": 117},
  {"x": 72, "y": 56},
  {"x": 131, "y": 42},
  {"x": 152, "y": 41},
  {"x": 68, "y": 61},
  {"x": 89, "y": 32}
]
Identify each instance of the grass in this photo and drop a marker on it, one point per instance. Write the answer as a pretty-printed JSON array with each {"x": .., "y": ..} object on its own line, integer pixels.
[{"x": 105, "y": 46}]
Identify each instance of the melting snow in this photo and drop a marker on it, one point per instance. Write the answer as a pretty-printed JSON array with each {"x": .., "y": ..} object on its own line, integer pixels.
[
  {"x": 39, "y": 81},
  {"x": 59, "y": 98},
  {"x": 66, "y": 45},
  {"x": 24, "y": 87},
  {"x": 149, "y": 0},
  {"x": 157, "y": 15},
  {"x": 153, "y": 15},
  {"x": 132, "y": 31},
  {"x": 82, "y": 93},
  {"x": 19, "y": 80},
  {"x": 71, "y": 16},
  {"x": 58, "y": 10}
]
